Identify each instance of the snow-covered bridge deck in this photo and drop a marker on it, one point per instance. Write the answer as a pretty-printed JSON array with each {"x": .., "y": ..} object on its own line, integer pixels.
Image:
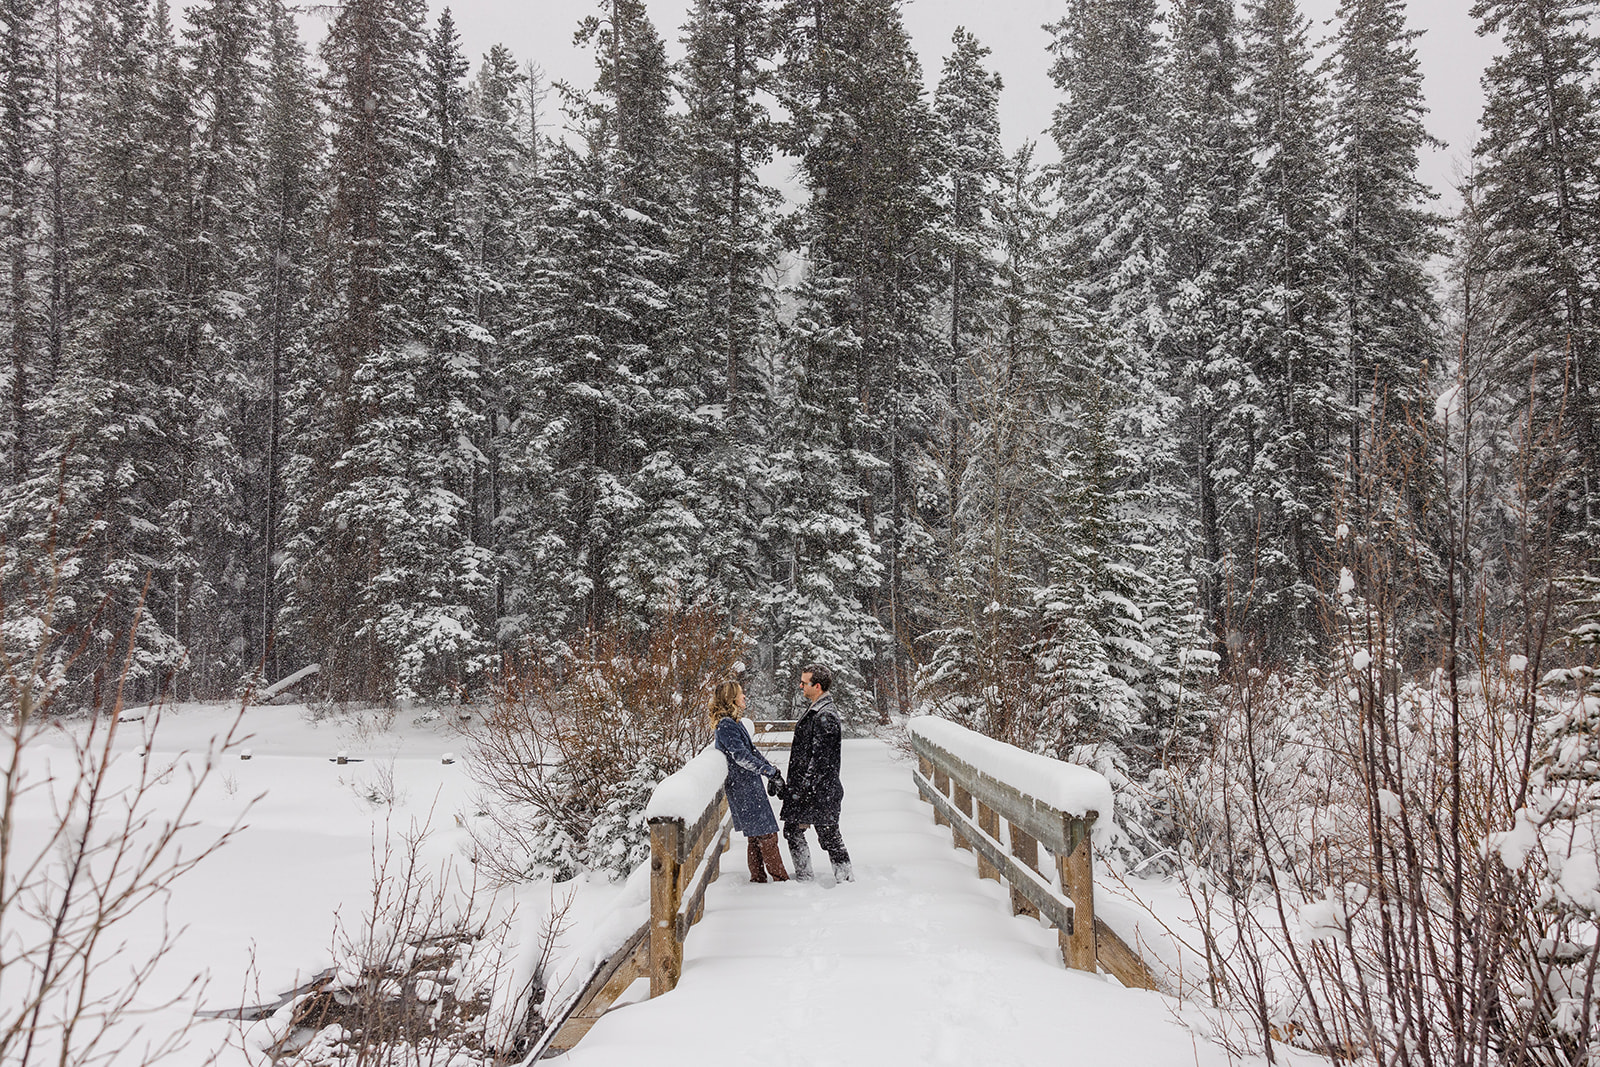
[{"x": 917, "y": 962}]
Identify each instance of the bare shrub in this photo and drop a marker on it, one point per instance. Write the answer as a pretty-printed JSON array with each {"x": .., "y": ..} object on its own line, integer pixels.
[
  {"x": 415, "y": 973},
  {"x": 84, "y": 847},
  {"x": 377, "y": 787},
  {"x": 570, "y": 749},
  {"x": 1377, "y": 849}
]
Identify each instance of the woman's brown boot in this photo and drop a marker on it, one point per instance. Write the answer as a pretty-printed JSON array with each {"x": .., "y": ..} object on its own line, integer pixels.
[
  {"x": 773, "y": 858},
  {"x": 753, "y": 855}
]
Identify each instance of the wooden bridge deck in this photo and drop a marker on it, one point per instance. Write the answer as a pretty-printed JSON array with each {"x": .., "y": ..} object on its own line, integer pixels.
[{"x": 916, "y": 962}]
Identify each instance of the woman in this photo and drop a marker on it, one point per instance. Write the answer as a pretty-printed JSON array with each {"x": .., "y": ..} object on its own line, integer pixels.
[{"x": 747, "y": 799}]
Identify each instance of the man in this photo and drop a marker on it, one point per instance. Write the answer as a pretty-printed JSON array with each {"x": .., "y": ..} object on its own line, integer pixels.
[{"x": 813, "y": 793}]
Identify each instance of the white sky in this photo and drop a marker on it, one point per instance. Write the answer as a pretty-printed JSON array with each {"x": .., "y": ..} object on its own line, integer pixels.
[{"x": 1452, "y": 55}]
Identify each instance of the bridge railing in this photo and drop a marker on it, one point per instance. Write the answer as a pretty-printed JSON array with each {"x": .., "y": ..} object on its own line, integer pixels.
[
  {"x": 690, "y": 829},
  {"x": 1043, "y": 802}
]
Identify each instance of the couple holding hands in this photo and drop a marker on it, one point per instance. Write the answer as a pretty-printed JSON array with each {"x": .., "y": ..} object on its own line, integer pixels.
[{"x": 811, "y": 796}]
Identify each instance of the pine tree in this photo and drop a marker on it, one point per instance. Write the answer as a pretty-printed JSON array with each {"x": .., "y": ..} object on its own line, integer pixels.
[
  {"x": 1288, "y": 458},
  {"x": 730, "y": 256},
  {"x": 1006, "y": 512},
  {"x": 501, "y": 158},
  {"x": 1385, "y": 231},
  {"x": 219, "y": 279},
  {"x": 863, "y": 342},
  {"x": 99, "y": 498},
  {"x": 358, "y": 515},
  {"x": 1120, "y": 472},
  {"x": 1205, "y": 261},
  {"x": 605, "y": 522},
  {"x": 1536, "y": 168},
  {"x": 1386, "y": 313},
  {"x": 1107, "y": 62},
  {"x": 24, "y": 97},
  {"x": 967, "y": 104},
  {"x": 290, "y": 155}
]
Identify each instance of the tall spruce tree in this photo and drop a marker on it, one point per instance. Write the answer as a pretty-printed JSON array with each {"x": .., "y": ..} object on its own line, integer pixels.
[
  {"x": 967, "y": 104},
  {"x": 1201, "y": 345},
  {"x": 24, "y": 98},
  {"x": 1385, "y": 230},
  {"x": 352, "y": 482},
  {"x": 1290, "y": 463},
  {"x": 605, "y": 522},
  {"x": 1120, "y": 471},
  {"x": 291, "y": 147},
  {"x": 864, "y": 348},
  {"x": 1385, "y": 234},
  {"x": 98, "y": 501},
  {"x": 727, "y": 299},
  {"x": 219, "y": 278},
  {"x": 501, "y": 157},
  {"x": 1537, "y": 165},
  {"x": 1007, "y": 511}
]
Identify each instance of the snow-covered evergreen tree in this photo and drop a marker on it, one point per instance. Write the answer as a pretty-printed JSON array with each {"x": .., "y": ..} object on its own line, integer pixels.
[
  {"x": 1386, "y": 314},
  {"x": 1287, "y": 459},
  {"x": 863, "y": 349},
  {"x": 501, "y": 161},
  {"x": 96, "y": 505},
  {"x": 24, "y": 89},
  {"x": 605, "y": 519},
  {"x": 730, "y": 262},
  {"x": 291, "y": 148},
  {"x": 1201, "y": 345},
  {"x": 1536, "y": 165},
  {"x": 382, "y": 566},
  {"x": 967, "y": 105},
  {"x": 1385, "y": 230},
  {"x": 1006, "y": 512},
  {"x": 219, "y": 276}
]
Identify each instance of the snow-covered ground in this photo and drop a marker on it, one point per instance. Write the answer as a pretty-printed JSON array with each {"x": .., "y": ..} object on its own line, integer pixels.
[{"x": 918, "y": 961}]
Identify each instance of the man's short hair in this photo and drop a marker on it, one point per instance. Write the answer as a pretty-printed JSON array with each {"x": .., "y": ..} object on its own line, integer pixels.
[{"x": 820, "y": 675}]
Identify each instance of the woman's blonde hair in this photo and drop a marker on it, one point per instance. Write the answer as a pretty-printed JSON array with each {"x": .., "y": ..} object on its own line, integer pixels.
[{"x": 725, "y": 700}]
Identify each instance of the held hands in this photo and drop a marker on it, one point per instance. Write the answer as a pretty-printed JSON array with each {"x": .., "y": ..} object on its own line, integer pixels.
[{"x": 776, "y": 786}]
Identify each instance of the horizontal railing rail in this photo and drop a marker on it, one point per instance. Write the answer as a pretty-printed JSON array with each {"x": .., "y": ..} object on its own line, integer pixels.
[{"x": 774, "y": 733}]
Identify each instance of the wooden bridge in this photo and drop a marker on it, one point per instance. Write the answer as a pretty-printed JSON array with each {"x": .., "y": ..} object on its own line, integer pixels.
[{"x": 947, "y": 854}]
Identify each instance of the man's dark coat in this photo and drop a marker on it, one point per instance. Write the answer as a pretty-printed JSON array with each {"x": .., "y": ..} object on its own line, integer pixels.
[{"x": 815, "y": 791}]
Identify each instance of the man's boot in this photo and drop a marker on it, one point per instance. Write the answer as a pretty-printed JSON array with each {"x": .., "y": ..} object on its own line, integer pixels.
[
  {"x": 773, "y": 857},
  {"x": 842, "y": 871},
  {"x": 800, "y": 852},
  {"x": 753, "y": 856}
]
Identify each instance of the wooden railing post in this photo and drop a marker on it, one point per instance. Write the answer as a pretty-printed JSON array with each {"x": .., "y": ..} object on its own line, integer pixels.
[
  {"x": 1025, "y": 847},
  {"x": 963, "y": 801},
  {"x": 989, "y": 823},
  {"x": 941, "y": 782},
  {"x": 1077, "y": 882},
  {"x": 666, "y": 893}
]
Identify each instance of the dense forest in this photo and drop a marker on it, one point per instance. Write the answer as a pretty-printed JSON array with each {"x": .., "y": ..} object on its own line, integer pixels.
[{"x": 404, "y": 364}]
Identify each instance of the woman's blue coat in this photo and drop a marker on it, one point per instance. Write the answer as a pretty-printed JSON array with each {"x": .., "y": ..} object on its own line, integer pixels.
[{"x": 747, "y": 793}]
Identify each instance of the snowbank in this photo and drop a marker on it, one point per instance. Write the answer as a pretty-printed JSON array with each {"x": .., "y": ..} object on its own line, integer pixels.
[
  {"x": 687, "y": 794},
  {"x": 1064, "y": 786}
]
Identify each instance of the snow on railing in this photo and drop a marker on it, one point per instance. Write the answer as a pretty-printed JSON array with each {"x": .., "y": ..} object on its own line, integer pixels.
[
  {"x": 688, "y": 793},
  {"x": 1066, "y": 787},
  {"x": 1042, "y": 802}
]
